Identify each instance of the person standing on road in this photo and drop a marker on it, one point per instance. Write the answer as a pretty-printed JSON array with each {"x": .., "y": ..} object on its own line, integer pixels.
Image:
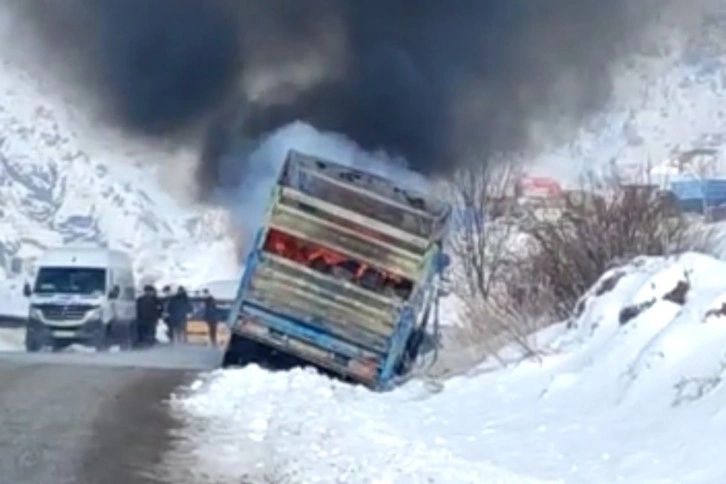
[
  {"x": 165, "y": 297},
  {"x": 211, "y": 315},
  {"x": 148, "y": 311},
  {"x": 179, "y": 308}
]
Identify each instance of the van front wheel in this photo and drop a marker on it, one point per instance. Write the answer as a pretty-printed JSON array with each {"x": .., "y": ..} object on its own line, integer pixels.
[{"x": 32, "y": 343}]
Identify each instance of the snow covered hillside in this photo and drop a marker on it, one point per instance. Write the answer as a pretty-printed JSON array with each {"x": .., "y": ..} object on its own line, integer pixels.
[
  {"x": 670, "y": 98},
  {"x": 630, "y": 392},
  {"x": 66, "y": 180}
]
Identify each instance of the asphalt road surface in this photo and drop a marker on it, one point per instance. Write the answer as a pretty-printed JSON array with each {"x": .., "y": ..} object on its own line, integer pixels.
[{"x": 91, "y": 418}]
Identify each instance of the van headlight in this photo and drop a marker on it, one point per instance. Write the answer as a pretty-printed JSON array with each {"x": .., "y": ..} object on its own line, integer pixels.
[
  {"x": 35, "y": 313},
  {"x": 93, "y": 314}
]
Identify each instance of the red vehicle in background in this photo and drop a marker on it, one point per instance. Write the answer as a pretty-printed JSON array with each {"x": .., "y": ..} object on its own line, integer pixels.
[{"x": 539, "y": 187}]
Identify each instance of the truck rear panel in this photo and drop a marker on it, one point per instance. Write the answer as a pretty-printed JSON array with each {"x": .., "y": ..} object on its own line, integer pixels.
[{"x": 335, "y": 323}]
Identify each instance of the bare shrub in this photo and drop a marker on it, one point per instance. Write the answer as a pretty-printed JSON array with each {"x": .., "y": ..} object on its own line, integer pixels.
[
  {"x": 480, "y": 241},
  {"x": 498, "y": 300},
  {"x": 522, "y": 266},
  {"x": 607, "y": 224}
]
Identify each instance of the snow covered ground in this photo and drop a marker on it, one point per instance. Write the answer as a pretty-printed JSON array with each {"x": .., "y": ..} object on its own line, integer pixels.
[
  {"x": 667, "y": 99},
  {"x": 623, "y": 395},
  {"x": 12, "y": 339}
]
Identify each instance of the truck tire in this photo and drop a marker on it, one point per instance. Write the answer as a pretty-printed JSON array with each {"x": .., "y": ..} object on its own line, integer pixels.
[{"x": 240, "y": 352}]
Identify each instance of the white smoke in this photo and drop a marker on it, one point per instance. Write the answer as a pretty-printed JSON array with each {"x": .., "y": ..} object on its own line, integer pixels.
[{"x": 249, "y": 201}]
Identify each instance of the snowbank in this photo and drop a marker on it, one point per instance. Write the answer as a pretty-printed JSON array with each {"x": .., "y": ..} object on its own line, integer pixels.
[
  {"x": 646, "y": 327},
  {"x": 630, "y": 392},
  {"x": 12, "y": 339},
  {"x": 297, "y": 427}
]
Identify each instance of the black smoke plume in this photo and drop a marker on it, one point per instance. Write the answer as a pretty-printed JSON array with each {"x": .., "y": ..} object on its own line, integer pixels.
[{"x": 429, "y": 80}]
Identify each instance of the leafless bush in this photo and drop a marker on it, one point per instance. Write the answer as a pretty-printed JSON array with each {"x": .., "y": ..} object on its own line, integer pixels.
[
  {"x": 522, "y": 266},
  {"x": 607, "y": 224},
  {"x": 486, "y": 246},
  {"x": 481, "y": 239},
  {"x": 509, "y": 316}
]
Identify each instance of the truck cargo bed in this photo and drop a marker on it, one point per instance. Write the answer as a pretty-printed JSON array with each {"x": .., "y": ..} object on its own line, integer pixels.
[
  {"x": 338, "y": 307},
  {"x": 403, "y": 258},
  {"x": 342, "y": 273}
]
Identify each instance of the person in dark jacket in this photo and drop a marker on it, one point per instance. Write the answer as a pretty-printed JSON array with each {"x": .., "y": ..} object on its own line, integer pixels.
[
  {"x": 165, "y": 296},
  {"x": 211, "y": 315},
  {"x": 148, "y": 312},
  {"x": 179, "y": 308}
]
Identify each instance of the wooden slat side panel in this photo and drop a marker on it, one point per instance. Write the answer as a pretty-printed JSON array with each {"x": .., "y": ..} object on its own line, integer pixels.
[
  {"x": 356, "y": 247},
  {"x": 311, "y": 303},
  {"x": 324, "y": 301},
  {"x": 330, "y": 320},
  {"x": 334, "y": 306},
  {"x": 287, "y": 193},
  {"x": 328, "y": 215},
  {"x": 282, "y": 269}
]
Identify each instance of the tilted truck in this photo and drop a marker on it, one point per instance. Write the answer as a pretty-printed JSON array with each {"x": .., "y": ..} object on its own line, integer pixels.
[{"x": 345, "y": 274}]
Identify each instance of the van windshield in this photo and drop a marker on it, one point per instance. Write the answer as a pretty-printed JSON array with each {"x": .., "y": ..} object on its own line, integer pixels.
[{"x": 66, "y": 280}]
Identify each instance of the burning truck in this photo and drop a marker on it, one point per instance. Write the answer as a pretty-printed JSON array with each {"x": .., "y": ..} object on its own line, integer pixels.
[{"x": 344, "y": 275}]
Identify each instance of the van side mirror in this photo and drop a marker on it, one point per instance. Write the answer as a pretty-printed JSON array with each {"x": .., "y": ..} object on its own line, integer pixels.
[
  {"x": 114, "y": 293},
  {"x": 443, "y": 261},
  {"x": 27, "y": 290}
]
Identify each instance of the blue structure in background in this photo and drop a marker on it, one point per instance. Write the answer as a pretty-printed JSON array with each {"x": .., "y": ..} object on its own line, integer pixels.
[{"x": 694, "y": 195}]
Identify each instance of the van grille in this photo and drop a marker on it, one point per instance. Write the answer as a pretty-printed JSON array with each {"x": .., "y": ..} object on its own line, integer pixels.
[{"x": 64, "y": 313}]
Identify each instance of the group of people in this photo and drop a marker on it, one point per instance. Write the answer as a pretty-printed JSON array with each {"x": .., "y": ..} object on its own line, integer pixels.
[{"x": 174, "y": 309}]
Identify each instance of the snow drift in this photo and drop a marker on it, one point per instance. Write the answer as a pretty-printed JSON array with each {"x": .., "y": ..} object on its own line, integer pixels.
[
  {"x": 630, "y": 392},
  {"x": 651, "y": 326}
]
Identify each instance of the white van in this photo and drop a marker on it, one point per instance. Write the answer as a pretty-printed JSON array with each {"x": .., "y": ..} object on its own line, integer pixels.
[{"x": 81, "y": 295}]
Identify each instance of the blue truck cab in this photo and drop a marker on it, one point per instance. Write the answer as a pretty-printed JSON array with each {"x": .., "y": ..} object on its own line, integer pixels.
[{"x": 344, "y": 275}]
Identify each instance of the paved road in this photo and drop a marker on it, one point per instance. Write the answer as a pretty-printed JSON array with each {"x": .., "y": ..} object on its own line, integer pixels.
[{"x": 90, "y": 419}]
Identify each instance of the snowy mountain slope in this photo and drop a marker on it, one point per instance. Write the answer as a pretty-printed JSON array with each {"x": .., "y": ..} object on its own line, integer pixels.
[
  {"x": 670, "y": 97},
  {"x": 633, "y": 402},
  {"x": 65, "y": 180}
]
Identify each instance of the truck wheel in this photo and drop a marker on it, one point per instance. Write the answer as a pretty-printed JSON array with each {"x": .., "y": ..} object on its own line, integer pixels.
[{"x": 240, "y": 352}]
